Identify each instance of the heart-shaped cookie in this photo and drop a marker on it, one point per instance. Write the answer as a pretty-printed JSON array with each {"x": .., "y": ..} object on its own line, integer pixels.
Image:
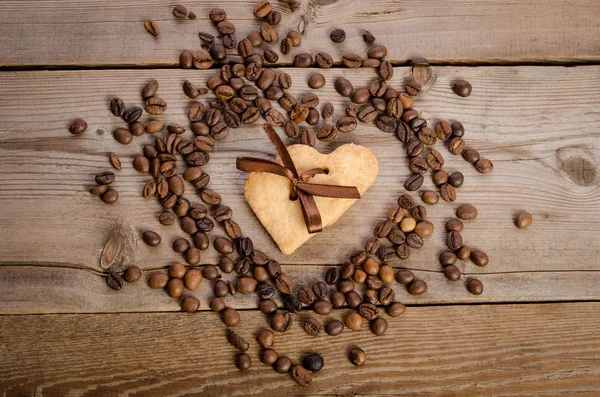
[{"x": 269, "y": 195}]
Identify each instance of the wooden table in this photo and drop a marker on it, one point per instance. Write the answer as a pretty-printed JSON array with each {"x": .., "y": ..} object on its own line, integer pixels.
[{"x": 534, "y": 111}]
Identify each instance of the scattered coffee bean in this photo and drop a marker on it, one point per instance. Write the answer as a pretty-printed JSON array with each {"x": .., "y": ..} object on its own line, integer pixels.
[
  {"x": 417, "y": 287},
  {"x": 396, "y": 309},
  {"x": 452, "y": 273},
  {"x": 462, "y": 88},
  {"x": 150, "y": 89},
  {"x": 357, "y": 356},
  {"x": 464, "y": 253},
  {"x": 312, "y": 326},
  {"x": 404, "y": 277},
  {"x": 475, "y": 286},
  {"x": 484, "y": 166},
  {"x": 523, "y": 220},
  {"x": 352, "y": 60},
  {"x": 471, "y": 155},
  {"x": 354, "y": 321},
  {"x": 282, "y": 365},
  {"x": 466, "y": 212},
  {"x": 413, "y": 182},
  {"x": 78, "y": 127},
  {"x": 479, "y": 258},
  {"x": 456, "y": 179},
  {"x": 316, "y": 81},
  {"x": 379, "y": 326},
  {"x": 337, "y": 35},
  {"x": 151, "y": 27},
  {"x": 243, "y": 362},
  {"x": 313, "y": 362}
]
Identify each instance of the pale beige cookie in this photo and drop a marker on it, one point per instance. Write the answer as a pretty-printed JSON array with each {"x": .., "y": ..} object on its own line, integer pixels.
[{"x": 269, "y": 194}]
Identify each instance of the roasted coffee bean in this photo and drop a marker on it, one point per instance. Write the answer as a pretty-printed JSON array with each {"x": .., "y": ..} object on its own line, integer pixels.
[
  {"x": 242, "y": 266},
  {"x": 237, "y": 341},
  {"x": 471, "y": 156},
  {"x": 408, "y": 115},
  {"x": 386, "y": 70},
  {"x": 308, "y": 138},
  {"x": 382, "y": 229},
  {"x": 192, "y": 279},
  {"x": 337, "y": 35},
  {"x": 286, "y": 46},
  {"x": 406, "y": 100},
  {"x": 273, "y": 18},
  {"x": 105, "y": 178},
  {"x": 313, "y": 117},
  {"x": 162, "y": 187},
  {"x": 452, "y": 273},
  {"x": 413, "y": 182},
  {"x": 447, "y": 258},
  {"x": 523, "y": 220},
  {"x": 324, "y": 60},
  {"x": 377, "y": 52},
  {"x": 427, "y": 136},
  {"x": 223, "y": 245},
  {"x": 192, "y": 256},
  {"x": 316, "y": 81},
  {"x": 206, "y": 37},
  {"x": 387, "y": 254},
  {"x": 396, "y": 236},
  {"x": 413, "y": 240},
  {"x": 475, "y": 286},
  {"x": 360, "y": 96},
  {"x": 274, "y": 117},
  {"x": 205, "y": 225},
  {"x": 345, "y": 286},
  {"x": 322, "y": 307},
  {"x": 298, "y": 113},
  {"x": 260, "y": 274},
  {"x": 456, "y": 179},
  {"x": 229, "y": 41},
  {"x": 408, "y": 225},
  {"x": 377, "y": 87},
  {"x": 373, "y": 282},
  {"x": 151, "y": 27},
  {"x": 217, "y": 15},
  {"x": 281, "y": 322},
  {"x": 169, "y": 201},
  {"x": 386, "y": 124},
  {"x": 346, "y": 124},
  {"x": 327, "y": 133},
  {"x": 295, "y": 37},
  {"x": 284, "y": 284},
  {"x": 334, "y": 328},
  {"x": 458, "y": 130},
  {"x": 418, "y": 165},
  {"x": 443, "y": 130},
  {"x": 117, "y": 107},
  {"x": 220, "y": 289},
  {"x": 379, "y": 326},
  {"x": 301, "y": 376},
  {"x": 320, "y": 289},
  {"x": 440, "y": 178},
  {"x": 158, "y": 280},
  {"x": 368, "y": 311},
  {"x": 196, "y": 113},
  {"x": 266, "y": 79},
  {"x": 230, "y": 317},
  {"x": 346, "y": 270},
  {"x": 132, "y": 274},
  {"x": 404, "y": 277},
  {"x": 453, "y": 240},
  {"x": 291, "y": 129},
  {"x": 123, "y": 136},
  {"x": 456, "y": 146},
  {"x": 201, "y": 240},
  {"x": 186, "y": 59},
  {"x": 343, "y": 87},
  {"x": 262, "y": 8},
  {"x": 114, "y": 281},
  {"x": 265, "y": 290},
  {"x": 418, "y": 212},
  {"x": 188, "y": 225},
  {"x": 155, "y": 105},
  {"x": 430, "y": 197},
  {"x": 403, "y": 132},
  {"x": 195, "y": 159},
  {"x": 137, "y": 128},
  {"x": 141, "y": 164},
  {"x": 412, "y": 88},
  {"x": 332, "y": 275},
  {"x": 292, "y": 304},
  {"x": 218, "y": 53},
  {"x": 149, "y": 189},
  {"x": 312, "y": 326},
  {"x": 484, "y": 166},
  {"x": 268, "y": 33},
  {"x": 352, "y": 60},
  {"x": 202, "y": 61},
  {"x": 360, "y": 276},
  {"x": 132, "y": 114},
  {"x": 245, "y": 285},
  {"x": 434, "y": 160},
  {"x": 177, "y": 270},
  {"x": 479, "y": 258},
  {"x": 417, "y": 287},
  {"x": 313, "y": 362},
  {"x": 367, "y": 114},
  {"x": 462, "y": 88},
  {"x": 466, "y": 212},
  {"x": 394, "y": 108},
  {"x": 150, "y": 89},
  {"x": 448, "y": 193},
  {"x": 454, "y": 225},
  {"x": 151, "y": 238},
  {"x": 306, "y": 295},
  {"x": 379, "y": 104}
]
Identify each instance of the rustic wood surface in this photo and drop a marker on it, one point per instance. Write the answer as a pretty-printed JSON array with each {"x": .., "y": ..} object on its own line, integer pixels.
[
  {"x": 491, "y": 350},
  {"x": 72, "y": 33},
  {"x": 63, "y": 332}
]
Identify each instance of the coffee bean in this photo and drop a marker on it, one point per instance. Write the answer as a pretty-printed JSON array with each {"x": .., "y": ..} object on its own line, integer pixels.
[
  {"x": 475, "y": 286},
  {"x": 471, "y": 156},
  {"x": 418, "y": 165},
  {"x": 306, "y": 295},
  {"x": 386, "y": 70},
  {"x": 155, "y": 105},
  {"x": 430, "y": 197},
  {"x": 175, "y": 288},
  {"x": 367, "y": 114},
  {"x": 386, "y": 124},
  {"x": 316, "y": 81},
  {"x": 150, "y": 89},
  {"x": 117, "y": 107},
  {"x": 245, "y": 285},
  {"x": 462, "y": 88},
  {"x": 332, "y": 275},
  {"x": 412, "y": 88},
  {"x": 377, "y": 87},
  {"x": 337, "y": 35},
  {"x": 417, "y": 287},
  {"x": 282, "y": 365},
  {"x": 403, "y": 132},
  {"x": 237, "y": 341},
  {"x": 186, "y": 59},
  {"x": 192, "y": 256},
  {"x": 426, "y": 135},
  {"x": 386, "y": 294},
  {"x": 265, "y": 290},
  {"x": 284, "y": 284},
  {"x": 149, "y": 190},
  {"x": 452, "y": 273},
  {"x": 324, "y": 60},
  {"x": 404, "y": 277},
  {"x": 192, "y": 279},
  {"x": 484, "y": 166},
  {"x": 448, "y": 193},
  {"x": 132, "y": 114},
  {"x": 379, "y": 326},
  {"x": 158, "y": 280},
  {"x": 354, "y": 321},
  {"x": 456, "y": 179},
  {"x": 151, "y": 27},
  {"x": 395, "y": 309},
  {"x": 114, "y": 281},
  {"x": 281, "y": 322},
  {"x": 270, "y": 56},
  {"x": 327, "y": 133},
  {"x": 268, "y": 33},
  {"x": 352, "y": 60},
  {"x": 343, "y": 87},
  {"x": 312, "y": 326},
  {"x": 413, "y": 182},
  {"x": 406, "y": 201},
  {"x": 447, "y": 258},
  {"x": 243, "y": 362},
  {"x": 413, "y": 240},
  {"x": 292, "y": 304},
  {"x": 368, "y": 37},
  {"x": 479, "y": 258},
  {"x": 382, "y": 229},
  {"x": 274, "y": 117},
  {"x": 298, "y": 113},
  {"x": 151, "y": 238},
  {"x": 301, "y": 376},
  {"x": 456, "y": 146},
  {"x": 434, "y": 160},
  {"x": 262, "y": 8},
  {"x": 313, "y": 362},
  {"x": 132, "y": 274},
  {"x": 105, "y": 178},
  {"x": 453, "y": 240},
  {"x": 242, "y": 266},
  {"x": 346, "y": 124},
  {"x": 308, "y": 138},
  {"x": 202, "y": 61},
  {"x": 443, "y": 130},
  {"x": 466, "y": 212},
  {"x": 334, "y": 328},
  {"x": 310, "y": 100},
  {"x": 523, "y": 220},
  {"x": 303, "y": 60}
]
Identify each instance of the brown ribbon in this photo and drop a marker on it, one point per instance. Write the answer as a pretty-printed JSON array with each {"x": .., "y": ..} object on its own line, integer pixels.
[{"x": 304, "y": 190}]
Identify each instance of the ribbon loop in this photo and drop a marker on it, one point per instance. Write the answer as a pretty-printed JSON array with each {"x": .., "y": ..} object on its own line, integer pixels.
[{"x": 305, "y": 191}]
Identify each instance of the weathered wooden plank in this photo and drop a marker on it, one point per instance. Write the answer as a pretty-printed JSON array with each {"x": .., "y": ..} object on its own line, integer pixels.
[
  {"x": 537, "y": 123},
  {"x": 40, "y": 289},
  {"x": 110, "y": 33},
  {"x": 506, "y": 350}
]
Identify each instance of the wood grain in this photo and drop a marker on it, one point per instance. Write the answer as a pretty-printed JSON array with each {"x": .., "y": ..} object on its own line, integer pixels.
[
  {"x": 40, "y": 289},
  {"x": 538, "y": 125},
  {"x": 110, "y": 33},
  {"x": 506, "y": 350}
]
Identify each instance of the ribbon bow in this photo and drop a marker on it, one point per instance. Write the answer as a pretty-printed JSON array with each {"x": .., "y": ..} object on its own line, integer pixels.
[{"x": 304, "y": 190}]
